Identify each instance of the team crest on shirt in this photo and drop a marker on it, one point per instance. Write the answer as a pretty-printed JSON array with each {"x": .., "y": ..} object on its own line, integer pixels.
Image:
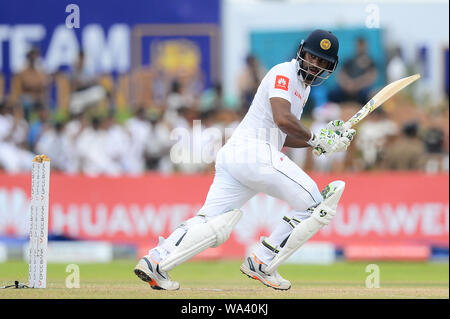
[{"x": 281, "y": 82}]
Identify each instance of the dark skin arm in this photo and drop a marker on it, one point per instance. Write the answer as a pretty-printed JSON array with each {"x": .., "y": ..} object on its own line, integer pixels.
[
  {"x": 295, "y": 143},
  {"x": 297, "y": 134}
]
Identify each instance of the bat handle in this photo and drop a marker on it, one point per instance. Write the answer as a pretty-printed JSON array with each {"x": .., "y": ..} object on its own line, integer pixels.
[
  {"x": 317, "y": 151},
  {"x": 347, "y": 125}
]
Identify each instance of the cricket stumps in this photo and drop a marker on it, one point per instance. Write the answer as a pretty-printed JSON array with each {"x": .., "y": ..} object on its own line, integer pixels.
[{"x": 40, "y": 182}]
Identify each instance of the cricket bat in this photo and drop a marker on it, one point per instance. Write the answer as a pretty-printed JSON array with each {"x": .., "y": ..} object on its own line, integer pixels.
[{"x": 382, "y": 96}]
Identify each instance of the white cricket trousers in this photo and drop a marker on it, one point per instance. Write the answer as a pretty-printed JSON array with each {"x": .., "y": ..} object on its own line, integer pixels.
[
  {"x": 250, "y": 166},
  {"x": 243, "y": 169},
  {"x": 247, "y": 167}
]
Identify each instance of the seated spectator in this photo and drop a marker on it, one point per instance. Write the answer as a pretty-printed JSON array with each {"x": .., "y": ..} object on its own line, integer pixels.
[
  {"x": 85, "y": 88},
  {"x": 160, "y": 86},
  {"x": 406, "y": 152},
  {"x": 176, "y": 101},
  {"x": 72, "y": 130},
  {"x": 160, "y": 145},
  {"x": 434, "y": 138},
  {"x": 356, "y": 77},
  {"x": 117, "y": 143},
  {"x": 434, "y": 147},
  {"x": 396, "y": 67},
  {"x": 139, "y": 129},
  {"x": 187, "y": 153},
  {"x": 227, "y": 120},
  {"x": 56, "y": 145},
  {"x": 20, "y": 128},
  {"x": 211, "y": 138},
  {"x": 31, "y": 84},
  {"x": 214, "y": 98},
  {"x": 75, "y": 125},
  {"x": 372, "y": 135},
  {"x": 92, "y": 149},
  {"x": 14, "y": 157},
  {"x": 248, "y": 80},
  {"x": 192, "y": 84},
  {"x": 39, "y": 126}
]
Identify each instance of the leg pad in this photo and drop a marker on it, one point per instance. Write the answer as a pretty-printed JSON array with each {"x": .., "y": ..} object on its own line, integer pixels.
[
  {"x": 202, "y": 236},
  {"x": 321, "y": 215}
]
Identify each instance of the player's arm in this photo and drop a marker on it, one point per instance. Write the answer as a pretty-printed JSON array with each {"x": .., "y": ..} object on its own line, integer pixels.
[
  {"x": 295, "y": 143},
  {"x": 300, "y": 136},
  {"x": 297, "y": 135}
]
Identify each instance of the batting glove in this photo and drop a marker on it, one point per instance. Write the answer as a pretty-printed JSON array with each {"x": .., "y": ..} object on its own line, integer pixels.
[
  {"x": 340, "y": 129},
  {"x": 325, "y": 141}
]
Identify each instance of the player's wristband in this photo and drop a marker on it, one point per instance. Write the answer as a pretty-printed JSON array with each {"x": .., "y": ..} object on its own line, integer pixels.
[{"x": 312, "y": 141}]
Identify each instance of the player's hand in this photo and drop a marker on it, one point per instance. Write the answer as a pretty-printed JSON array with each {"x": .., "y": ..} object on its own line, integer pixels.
[
  {"x": 329, "y": 143},
  {"x": 325, "y": 141},
  {"x": 346, "y": 134},
  {"x": 339, "y": 127},
  {"x": 344, "y": 142},
  {"x": 336, "y": 126}
]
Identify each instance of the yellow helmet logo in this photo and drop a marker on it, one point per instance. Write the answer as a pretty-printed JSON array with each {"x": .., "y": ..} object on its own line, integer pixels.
[{"x": 325, "y": 44}]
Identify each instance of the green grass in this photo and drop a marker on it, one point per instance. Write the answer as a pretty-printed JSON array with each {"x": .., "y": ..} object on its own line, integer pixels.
[{"x": 222, "y": 279}]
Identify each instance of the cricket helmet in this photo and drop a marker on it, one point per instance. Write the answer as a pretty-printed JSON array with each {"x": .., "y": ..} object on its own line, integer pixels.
[{"x": 324, "y": 45}]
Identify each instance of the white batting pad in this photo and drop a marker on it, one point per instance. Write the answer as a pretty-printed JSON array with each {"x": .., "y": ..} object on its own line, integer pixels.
[
  {"x": 303, "y": 231},
  {"x": 202, "y": 236}
]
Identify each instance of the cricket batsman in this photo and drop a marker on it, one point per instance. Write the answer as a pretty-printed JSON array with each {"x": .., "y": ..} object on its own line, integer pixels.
[{"x": 251, "y": 162}]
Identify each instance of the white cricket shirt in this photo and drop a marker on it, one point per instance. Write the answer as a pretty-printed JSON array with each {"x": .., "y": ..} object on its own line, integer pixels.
[{"x": 281, "y": 81}]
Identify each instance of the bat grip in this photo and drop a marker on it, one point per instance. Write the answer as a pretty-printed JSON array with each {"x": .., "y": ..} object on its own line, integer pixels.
[
  {"x": 347, "y": 125},
  {"x": 317, "y": 151}
]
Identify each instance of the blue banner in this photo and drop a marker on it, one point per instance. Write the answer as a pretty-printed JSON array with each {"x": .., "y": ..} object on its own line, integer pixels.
[{"x": 115, "y": 35}]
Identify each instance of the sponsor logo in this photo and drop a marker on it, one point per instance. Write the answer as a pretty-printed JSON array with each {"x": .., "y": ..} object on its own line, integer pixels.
[
  {"x": 297, "y": 94},
  {"x": 322, "y": 213},
  {"x": 325, "y": 44},
  {"x": 357, "y": 218},
  {"x": 281, "y": 82}
]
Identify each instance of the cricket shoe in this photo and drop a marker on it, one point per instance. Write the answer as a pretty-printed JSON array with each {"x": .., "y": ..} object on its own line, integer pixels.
[
  {"x": 254, "y": 268},
  {"x": 148, "y": 270}
]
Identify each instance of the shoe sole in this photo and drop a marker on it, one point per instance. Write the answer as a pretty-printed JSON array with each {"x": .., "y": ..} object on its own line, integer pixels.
[
  {"x": 144, "y": 277},
  {"x": 254, "y": 275},
  {"x": 143, "y": 274}
]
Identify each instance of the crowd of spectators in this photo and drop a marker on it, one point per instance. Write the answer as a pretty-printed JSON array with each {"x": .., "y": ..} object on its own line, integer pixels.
[{"x": 187, "y": 123}]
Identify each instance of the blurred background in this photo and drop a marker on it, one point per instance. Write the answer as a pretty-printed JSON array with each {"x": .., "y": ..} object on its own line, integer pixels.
[{"x": 101, "y": 87}]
